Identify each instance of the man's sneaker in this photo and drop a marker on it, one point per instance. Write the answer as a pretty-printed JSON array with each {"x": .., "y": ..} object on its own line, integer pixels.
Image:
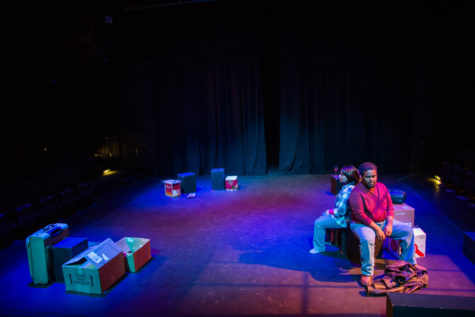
[{"x": 366, "y": 280}]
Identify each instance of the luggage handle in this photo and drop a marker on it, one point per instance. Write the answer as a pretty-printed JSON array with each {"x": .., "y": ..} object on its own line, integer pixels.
[
  {"x": 55, "y": 232},
  {"x": 52, "y": 230}
]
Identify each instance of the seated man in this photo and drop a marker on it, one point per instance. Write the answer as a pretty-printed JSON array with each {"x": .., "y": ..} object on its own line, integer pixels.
[{"x": 372, "y": 216}]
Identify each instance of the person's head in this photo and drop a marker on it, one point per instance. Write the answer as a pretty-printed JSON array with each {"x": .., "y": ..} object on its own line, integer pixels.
[
  {"x": 349, "y": 175},
  {"x": 369, "y": 174}
]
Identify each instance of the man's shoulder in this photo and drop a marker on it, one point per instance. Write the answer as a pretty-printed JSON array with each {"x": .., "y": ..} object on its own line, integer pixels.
[
  {"x": 357, "y": 189},
  {"x": 381, "y": 186}
]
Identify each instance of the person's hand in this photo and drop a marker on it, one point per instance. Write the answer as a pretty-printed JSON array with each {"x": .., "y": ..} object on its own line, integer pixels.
[
  {"x": 388, "y": 229},
  {"x": 380, "y": 234}
]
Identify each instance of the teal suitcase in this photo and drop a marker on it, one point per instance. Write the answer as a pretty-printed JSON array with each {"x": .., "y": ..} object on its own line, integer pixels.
[{"x": 38, "y": 246}]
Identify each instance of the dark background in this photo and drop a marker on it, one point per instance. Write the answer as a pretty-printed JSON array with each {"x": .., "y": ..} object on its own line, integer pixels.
[{"x": 247, "y": 85}]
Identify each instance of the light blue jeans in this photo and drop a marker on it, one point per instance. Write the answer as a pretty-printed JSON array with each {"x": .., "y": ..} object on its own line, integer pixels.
[
  {"x": 325, "y": 221},
  {"x": 367, "y": 237}
]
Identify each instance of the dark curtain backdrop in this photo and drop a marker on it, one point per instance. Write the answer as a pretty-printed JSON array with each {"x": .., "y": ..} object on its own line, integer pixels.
[
  {"x": 207, "y": 95},
  {"x": 345, "y": 93},
  {"x": 246, "y": 86}
]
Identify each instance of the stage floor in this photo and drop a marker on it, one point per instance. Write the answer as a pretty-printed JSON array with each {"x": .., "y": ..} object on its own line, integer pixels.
[{"x": 240, "y": 253}]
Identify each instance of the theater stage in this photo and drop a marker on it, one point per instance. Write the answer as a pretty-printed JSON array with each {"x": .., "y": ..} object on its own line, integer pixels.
[{"x": 240, "y": 253}]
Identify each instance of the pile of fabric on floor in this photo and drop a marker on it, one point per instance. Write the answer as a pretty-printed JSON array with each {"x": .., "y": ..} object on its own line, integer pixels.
[{"x": 400, "y": 277}]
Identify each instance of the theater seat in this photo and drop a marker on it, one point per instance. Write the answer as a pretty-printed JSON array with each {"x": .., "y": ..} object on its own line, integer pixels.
[
  {"x": 7, "y": 230},
  {"x": 27, "y": 220}
]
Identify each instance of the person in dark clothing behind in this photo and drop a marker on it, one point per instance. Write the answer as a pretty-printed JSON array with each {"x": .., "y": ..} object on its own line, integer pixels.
[{"x": 372, "y": 217}]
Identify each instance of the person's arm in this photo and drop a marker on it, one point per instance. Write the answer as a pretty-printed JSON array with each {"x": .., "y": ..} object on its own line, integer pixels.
[
  {"x": 380, "y": 234},
  {"x": 388, "y": 229}
]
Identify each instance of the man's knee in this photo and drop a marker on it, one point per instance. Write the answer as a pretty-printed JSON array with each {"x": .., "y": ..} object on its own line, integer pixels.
[
  {"x": 366, "y": 241},
  {"x": 405, "y": 231}
]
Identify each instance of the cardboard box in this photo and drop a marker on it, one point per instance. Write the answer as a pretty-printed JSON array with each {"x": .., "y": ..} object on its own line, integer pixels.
[
  {"x": 95, "y": 270},
  {"x": 420, "y": 242},
  {"x": 137, "y": 252},
  {"x": 172, "y": 188},
  {"x": 64, "y": 251},
  {"x": 392, "y": 246},
  {"x": 404, "y": 213},
  {"x": 231, "y": 183}
]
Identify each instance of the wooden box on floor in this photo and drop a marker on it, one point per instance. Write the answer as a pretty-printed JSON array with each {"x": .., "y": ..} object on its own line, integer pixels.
[
  {"x": 217, "y": 178},
  {"x": 404, "y": 213},
  {"x": 335, "y": 184},
  {"x": 188, "y": 182},
  {"x": 137, "y": 252},
  {"x": 417, "y": 305},
  {"x": 95, "y": 270}
]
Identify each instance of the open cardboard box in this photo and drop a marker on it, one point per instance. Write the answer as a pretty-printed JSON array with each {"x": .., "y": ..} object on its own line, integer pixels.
[
  {"x": 137, "y": 252},
  {"x": 95, "y": 270}
]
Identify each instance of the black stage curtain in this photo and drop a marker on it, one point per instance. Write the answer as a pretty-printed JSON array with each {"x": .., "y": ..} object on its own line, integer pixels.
[
  {"x": 244, "y": 85},
  {"x": 346, "y": 89},
  {"x": 208, "y": 109}
]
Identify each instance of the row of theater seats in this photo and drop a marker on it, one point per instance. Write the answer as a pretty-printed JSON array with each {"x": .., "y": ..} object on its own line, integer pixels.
[
  {"x": 461, "y": 179},
  {"x": 29, "y": 204}
]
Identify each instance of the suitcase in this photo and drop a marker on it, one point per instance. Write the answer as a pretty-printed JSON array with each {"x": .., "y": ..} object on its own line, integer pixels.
[
  {"x": 398, "y": 196},
  {"x": 38, "y": 246}
]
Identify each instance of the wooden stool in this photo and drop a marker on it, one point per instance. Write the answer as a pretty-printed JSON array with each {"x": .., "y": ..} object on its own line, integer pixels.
[
  {"x": 350, "y": 245},
  {"x": 334, "y": 236}
]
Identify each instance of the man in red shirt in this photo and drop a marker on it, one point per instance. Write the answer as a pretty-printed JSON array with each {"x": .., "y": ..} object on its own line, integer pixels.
[{"x": 372, "y": 217}]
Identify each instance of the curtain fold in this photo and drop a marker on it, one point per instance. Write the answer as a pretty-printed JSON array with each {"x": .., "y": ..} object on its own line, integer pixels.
[
  {"x": 345, "y": 97},
  {"x": 208, "y": 101}
]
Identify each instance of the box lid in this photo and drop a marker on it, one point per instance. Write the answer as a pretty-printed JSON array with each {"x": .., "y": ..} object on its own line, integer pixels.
[
  {"x": 131, "y": 244},
  {"x": 95, "y": 256},
  {"x": 171, "y": 181},
  {"x": 231, "y": 178},
  {"x": 418, "y": 231}
]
